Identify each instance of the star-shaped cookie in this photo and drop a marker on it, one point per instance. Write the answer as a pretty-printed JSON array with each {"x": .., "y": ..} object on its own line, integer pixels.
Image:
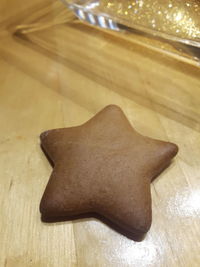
[{"x": 103, "y": 167}]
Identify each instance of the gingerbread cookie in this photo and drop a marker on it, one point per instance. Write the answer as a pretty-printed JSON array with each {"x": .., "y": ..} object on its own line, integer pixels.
[{"x": 103, "y": 167}]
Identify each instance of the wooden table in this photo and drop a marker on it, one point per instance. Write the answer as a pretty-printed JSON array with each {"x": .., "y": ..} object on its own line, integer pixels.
[{"x": 59, "y": 72}]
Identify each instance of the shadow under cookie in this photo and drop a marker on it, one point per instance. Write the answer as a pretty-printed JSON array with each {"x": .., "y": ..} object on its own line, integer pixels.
[{"x": 79, "y": 218}]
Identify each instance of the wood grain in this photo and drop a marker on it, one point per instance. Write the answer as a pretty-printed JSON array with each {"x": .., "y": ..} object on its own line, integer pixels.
[{"x": 59, "y": 76}]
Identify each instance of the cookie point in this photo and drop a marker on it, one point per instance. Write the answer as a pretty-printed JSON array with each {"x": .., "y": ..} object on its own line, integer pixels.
[
  {"x": 46, "y": 207},
  {"x": 113, "y": 107},
  {"x": 144, "y": 223},
  {"x": 173, "y": 148},
  {"x": 43, "y": 135}
]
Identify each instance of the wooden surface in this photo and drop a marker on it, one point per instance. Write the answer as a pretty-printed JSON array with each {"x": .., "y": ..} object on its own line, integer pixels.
[{"x": 59, "y": 76}]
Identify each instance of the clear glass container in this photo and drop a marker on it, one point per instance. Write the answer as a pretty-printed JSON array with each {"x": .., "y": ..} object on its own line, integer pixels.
[{"x": 176, "y": 21}]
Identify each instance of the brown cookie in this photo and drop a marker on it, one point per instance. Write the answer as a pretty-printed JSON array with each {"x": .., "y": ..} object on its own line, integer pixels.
[{"x": 104, "y": 167}]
